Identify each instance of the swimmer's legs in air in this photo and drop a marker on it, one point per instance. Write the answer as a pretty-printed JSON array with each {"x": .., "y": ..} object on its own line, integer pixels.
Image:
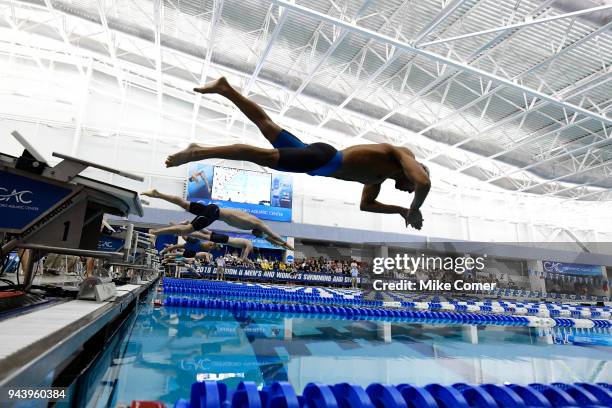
[
  {"x": 253, "y": 111},
  {"x": 289, "y": 154},
  {"x": 181, "y": 202},
  {"x": 205, "y": 214},
  {"x": 244, "y": 152},
  {"x": 270, "y": 130}
]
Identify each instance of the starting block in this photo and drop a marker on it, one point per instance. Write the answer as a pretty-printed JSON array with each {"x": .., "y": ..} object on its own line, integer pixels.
[{"x": 54, "y": 209}]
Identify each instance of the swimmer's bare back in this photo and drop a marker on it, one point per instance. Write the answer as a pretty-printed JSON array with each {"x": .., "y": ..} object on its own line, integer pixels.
[
  {"x": 371, "y": 163},
  {"x": 238, "y": 219}
]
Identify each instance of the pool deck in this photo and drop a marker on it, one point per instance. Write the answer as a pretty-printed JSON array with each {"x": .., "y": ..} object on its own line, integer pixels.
[{"x": 34, "y": 344}]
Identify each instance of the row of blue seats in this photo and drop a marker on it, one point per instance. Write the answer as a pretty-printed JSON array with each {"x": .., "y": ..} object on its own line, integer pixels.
[
  {"x": 211, "y": 394},
  {"x": 348, "y": 312}
]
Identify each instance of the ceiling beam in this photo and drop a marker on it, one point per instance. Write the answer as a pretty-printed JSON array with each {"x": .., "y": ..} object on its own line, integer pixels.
[
  {"x": 446, "y": 12},
  {"x": 439, "y": 19},
  {"x": 108, "y": 36},
  {"x": 552, "y": 158},
  {"x": 548, "y": 60},
  {"x": 330, "y": 50},
  {"x": 330, "y": 114},
  {"x": 62, "y": 31},
  {"x": 526, "y": 23},
  {"x": 210, "y": 45},
  {"x": 439, "y": 58},
  {"x": 262, "y": 59},
  {"x": 158, "y": 18},
  {"x": 574, "y": 173}
]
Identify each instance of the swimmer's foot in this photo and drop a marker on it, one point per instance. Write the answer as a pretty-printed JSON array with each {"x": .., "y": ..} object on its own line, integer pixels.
[
  {"x": 218, "y": 86},
  {"x": 151, "y": 193},
  {"x": 182, "y": 157}
]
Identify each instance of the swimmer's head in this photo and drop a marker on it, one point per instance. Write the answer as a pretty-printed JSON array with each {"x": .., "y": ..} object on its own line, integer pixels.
[
  {"x": 425, "y": 168},
  {"x": 402, "y": 183},
  {"x": 257, "y": 232},
  {"x": 210, "y": 246}
]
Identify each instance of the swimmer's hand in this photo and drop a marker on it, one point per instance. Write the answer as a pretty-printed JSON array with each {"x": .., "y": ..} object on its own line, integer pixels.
[{"x": 414, "y": 218}]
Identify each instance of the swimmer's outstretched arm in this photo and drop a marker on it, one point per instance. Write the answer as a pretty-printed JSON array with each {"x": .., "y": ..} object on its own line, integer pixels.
[
  {"x": 245, "y": 244},
  {"x": 414, "y": 172},
  {"x": 202, "y": 234},
  {"x": 203, "y": 255},
  {"x": 272, "y": 237},
  {"x": 171, "y": 248},
  {"x": 370, "y": 204},
  {"x": 279, "y": 242},
  {"x": 173, "y": 255}
]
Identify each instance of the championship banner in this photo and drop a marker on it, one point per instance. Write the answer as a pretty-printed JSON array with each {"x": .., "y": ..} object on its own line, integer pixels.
[
  {"x": 272, "y": 276},
  {"x": 267, "y": 196},
  {"x": 571, "y": 268}
]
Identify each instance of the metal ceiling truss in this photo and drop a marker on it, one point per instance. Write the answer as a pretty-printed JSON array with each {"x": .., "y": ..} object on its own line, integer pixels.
[{"x": 446, "y": 74}]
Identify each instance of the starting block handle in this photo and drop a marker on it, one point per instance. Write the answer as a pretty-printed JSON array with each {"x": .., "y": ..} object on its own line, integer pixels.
[
  {"x": 26, "y": 145},
  {"x": 68, "y": 251},
  {"x": 99, "y": 166}
]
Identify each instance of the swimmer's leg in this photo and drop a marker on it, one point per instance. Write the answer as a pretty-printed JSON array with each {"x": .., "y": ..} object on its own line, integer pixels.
[
  {"x": 253, "y": 111},
  {"x": 179, "y": 229},
  {"x": 196, "y": 152},
  {"x": 181, "y": 202}
]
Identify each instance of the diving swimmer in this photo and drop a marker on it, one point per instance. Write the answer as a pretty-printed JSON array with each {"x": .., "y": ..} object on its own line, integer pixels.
[
  {"x": 369, "y": 164},
  {"x": 206, "y": 214}
]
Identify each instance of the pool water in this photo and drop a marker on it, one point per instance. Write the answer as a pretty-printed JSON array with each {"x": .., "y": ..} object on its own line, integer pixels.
[{"x": 163, "y": 350}]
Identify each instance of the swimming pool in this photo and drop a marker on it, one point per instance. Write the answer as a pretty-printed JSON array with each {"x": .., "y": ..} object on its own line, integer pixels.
[{"x": 161, "y": 351}]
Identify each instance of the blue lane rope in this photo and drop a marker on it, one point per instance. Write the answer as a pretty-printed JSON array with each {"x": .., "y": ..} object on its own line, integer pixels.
[
  {"x": 351, "y": 304},
  {"x": 211, "y": 394}
]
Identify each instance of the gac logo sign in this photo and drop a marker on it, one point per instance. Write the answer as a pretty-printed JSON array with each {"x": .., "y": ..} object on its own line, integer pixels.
[
  {"x": 105, "y": 245},
  {"x": 20, "y": 197},
  {"x": 551, "y": 266}
]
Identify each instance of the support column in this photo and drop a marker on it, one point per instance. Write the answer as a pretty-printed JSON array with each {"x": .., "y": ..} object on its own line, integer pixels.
[
  {"x": 535, "y": 281},
  {"x": 82, "y": 113},
  {"x": 288, "y": 329},
  {"x": 470, "y": 333},
  {"x": 289, "y": 255},
  {"x": 381, "y": 251},
  {"x": 384, "y": 331}
]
